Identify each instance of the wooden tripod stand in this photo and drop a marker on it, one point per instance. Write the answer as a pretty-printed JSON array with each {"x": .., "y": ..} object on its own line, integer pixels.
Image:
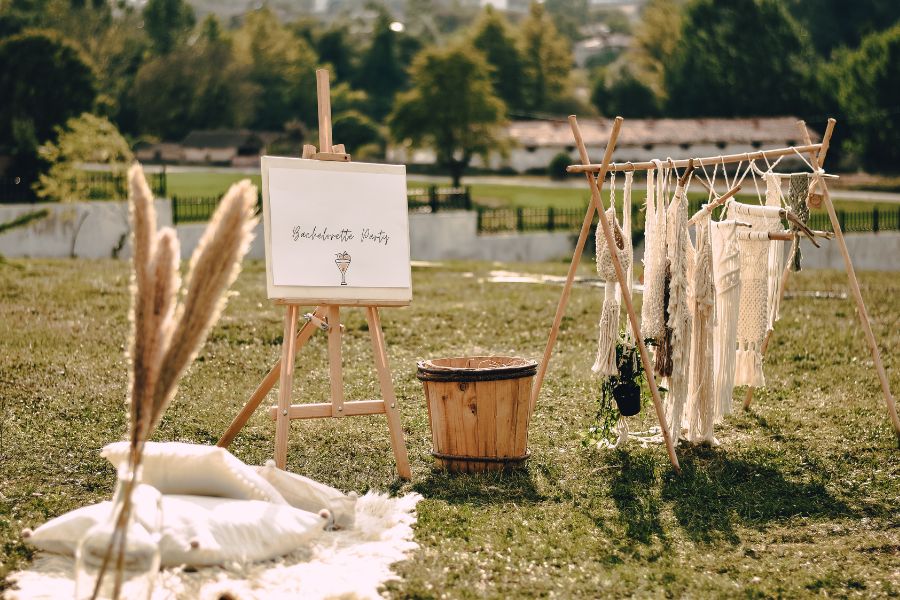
[{"x": 325, "y": 317}]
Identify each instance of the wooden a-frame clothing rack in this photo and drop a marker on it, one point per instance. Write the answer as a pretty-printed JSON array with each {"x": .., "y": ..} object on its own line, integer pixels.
[
  {"x": 817, "y": 151},
  {"x": 325, "y": 317}
]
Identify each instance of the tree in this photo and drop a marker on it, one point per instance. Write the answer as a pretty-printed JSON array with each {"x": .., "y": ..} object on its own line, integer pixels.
[
  {"x": 283, "y": 67},
  {"x": 654, "y": 42},
  {"x": 568, "y": 16},
  {"x": 494, "y": 38},
  {"x": 867, "y": 81},
  {"x": 450, "y": 108},
  {"x": 333, "y": 47},
  {"x": 84, "y": 139},
  {"x": 381, "y": 72},
  {"x": 168, "y": 23},
  {"x": 547, "y": 61},
  {"x": 45, "y": 80},
  {"x": 619, "y": 92},
  {"x": 194, "y": 87},
  {"x": 835, "y": 23},
  {"x": 742, "y": 58}
]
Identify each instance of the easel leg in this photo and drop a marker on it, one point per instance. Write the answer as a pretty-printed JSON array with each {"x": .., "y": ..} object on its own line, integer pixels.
[
  {"x": 282, "y": 421},
  {"x": 387, "y": 393},
  {"x": 265, "y": 386},
  {"x": 335, "y": 366}
]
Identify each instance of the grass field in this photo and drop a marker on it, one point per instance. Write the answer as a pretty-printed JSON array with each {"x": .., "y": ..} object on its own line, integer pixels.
[
  {"x": 800, "y": 500},
  {"x": 485, "y": 194}
]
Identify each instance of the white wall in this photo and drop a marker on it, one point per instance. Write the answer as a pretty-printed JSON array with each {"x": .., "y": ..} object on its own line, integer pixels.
[
  {"x": 98, "y": 228},
  {"x": 82, "y": 229}
]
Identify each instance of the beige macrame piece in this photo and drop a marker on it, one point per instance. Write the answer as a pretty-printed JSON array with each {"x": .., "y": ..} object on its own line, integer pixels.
[
  {"x": 726, "y": 263},
  {"x": 679, "y": 253},
  {"x": 605, "y": 363},
  {"x": 753, "y": 317},
  {"x": 700, "y": 414},
  {"x": 652, "y": 318}
]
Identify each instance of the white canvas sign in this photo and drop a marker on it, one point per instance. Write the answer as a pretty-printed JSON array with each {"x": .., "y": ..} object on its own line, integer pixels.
[{"x": 336, "y": 231}]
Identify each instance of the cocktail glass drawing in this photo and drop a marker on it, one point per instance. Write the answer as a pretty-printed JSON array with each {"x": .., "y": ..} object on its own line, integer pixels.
[{"x": 342, "y": 260}]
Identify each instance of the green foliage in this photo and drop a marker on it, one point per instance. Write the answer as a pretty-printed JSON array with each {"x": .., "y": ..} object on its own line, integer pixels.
[
  {"x": 835, "y": 23},
  {"x": 334, "y": 48},
  {"x": 867, "y": 84},
  {"x": 655, "y": 40},
  {"x": 44, "y": 80},
  {"x": 568, "y": 16},
  {"x": 450, "y": 108},
  {"x": 168, "y": 23},
  {"x": 621, "y": 93},
  {"x": 493, "y": 36},
  {"x": 281, "y": 66},
  {"x": 631, "y": 375},
  {"x": 84, "y": 139},
  {"x": 24, "y": 219},
  {"x": 741, "y": 58},
  {"x": 355, "y": 130},
  {"x": 557, "y": 167},
  {"x": 382, "y": 69},
  {"x": 547, "y": 60}
]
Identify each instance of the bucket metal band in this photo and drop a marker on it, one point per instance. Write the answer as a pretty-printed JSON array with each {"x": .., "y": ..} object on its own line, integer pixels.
[{"x": 482, "y": 459}]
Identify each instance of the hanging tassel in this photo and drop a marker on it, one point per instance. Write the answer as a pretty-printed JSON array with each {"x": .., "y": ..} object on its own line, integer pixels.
[
  {"x": 605, "y": 363},
  {"x": 664, "y": 365}
]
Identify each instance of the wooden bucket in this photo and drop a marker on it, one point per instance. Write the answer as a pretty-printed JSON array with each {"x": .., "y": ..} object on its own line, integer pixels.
[{"x": 479, "y": 408}]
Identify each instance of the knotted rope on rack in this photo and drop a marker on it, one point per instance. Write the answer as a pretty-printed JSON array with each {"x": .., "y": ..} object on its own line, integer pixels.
[
  {"x": 796, "y": 201},
  {"x": 605, "y": 363}
]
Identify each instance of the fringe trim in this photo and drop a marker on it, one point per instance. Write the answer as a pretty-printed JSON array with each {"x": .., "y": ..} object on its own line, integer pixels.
[
  {"x": 605, "y": 363},
  {"x": 748, "y": 367}
]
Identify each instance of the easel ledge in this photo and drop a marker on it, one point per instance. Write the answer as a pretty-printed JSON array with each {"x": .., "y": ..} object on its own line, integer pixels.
[{"x": 325, "y": 317}]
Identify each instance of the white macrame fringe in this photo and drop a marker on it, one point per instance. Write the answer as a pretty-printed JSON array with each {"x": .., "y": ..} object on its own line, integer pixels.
[
  {"x": 605, "y": 363},
  {"x": 652, "y": 319}
]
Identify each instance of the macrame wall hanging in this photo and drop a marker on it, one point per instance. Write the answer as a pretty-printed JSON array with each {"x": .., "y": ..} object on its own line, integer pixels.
[
  {"x": 679, "y": 254},
  {"x": 701, "y": 408},
  {"x": 753, "y": 316},
  {"x": 652, "y": 318},
  {"x": 774, "y": 198},
  {"x": 605, "y": 363},
  {"x": 726, "y": 263}
]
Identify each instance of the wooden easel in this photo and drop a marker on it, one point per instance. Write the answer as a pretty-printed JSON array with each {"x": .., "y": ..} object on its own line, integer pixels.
[{"x": 325, "y": 317}]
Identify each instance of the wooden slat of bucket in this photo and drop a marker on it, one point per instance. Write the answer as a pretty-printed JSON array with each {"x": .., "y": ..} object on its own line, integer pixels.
[
  {"x": 443, "y": 440},
  {"x": 486, "y": 397},
  {"x": 523, "y": 401},
  {"x": 470, "y": 420},
  {"x": 504, "y": 426}
]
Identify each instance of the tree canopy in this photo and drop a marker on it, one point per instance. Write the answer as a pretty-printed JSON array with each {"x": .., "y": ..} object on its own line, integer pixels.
[
  {"x": 451, "y": 107},
  {"x": 493, "y": 36},
  {"x": 547, "y": 61}
]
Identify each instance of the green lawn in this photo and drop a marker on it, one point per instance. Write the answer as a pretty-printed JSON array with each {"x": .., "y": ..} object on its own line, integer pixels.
[
  {"x": 485, "y": 194},
  {"x": 800, "y": 500}
]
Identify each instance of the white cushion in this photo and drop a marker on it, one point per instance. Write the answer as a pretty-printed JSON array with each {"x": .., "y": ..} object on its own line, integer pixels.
[
  {"x": 198, "y": 530},
  {"x": 308, "y": 494},
  {"x": 192, "y": 469}
]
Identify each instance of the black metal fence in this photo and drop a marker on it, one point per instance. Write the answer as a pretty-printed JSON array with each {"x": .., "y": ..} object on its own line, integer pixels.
[
  {"x": 194, "y": 209},
  {"x": 92, "y": 185},
  {"x": 509, "y": 220},
  {"x": 435, "y": 198}
]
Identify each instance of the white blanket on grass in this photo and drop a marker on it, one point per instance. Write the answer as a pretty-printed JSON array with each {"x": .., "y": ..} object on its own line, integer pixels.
[{"x": 352, "y": 563}]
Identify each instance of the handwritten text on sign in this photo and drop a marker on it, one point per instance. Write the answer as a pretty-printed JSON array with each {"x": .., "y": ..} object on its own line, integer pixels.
[{"x": 339, "y": 228}]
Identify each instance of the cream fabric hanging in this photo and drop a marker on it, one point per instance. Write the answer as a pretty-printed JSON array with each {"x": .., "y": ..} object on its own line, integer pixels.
[
  {"x": 726, "y": 264},
  {"x": 776, "y": 250},
  {"x": 679, "y": 254},
  {"x": 605, "y": 362},
  {"x": 753, "y": 318},
  {"x": 700, "y": 412},
  {"x": 652, "y": 319}
]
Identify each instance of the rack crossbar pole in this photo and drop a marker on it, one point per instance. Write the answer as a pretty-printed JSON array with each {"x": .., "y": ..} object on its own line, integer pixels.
[{"x": 701, "y": 162}]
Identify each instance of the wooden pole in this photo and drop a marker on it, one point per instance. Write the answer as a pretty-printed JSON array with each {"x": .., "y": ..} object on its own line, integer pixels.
[
  {"x": 816, "y": 161},
  {"x": 282, "y": 420},
  {"x": 860, "y": 304},
  {"x": 698, "y": 162},
  {"x": 323, "y": 91},
  {"x": 593, "y": 205},
  {"x": 626, "y": 293}
]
